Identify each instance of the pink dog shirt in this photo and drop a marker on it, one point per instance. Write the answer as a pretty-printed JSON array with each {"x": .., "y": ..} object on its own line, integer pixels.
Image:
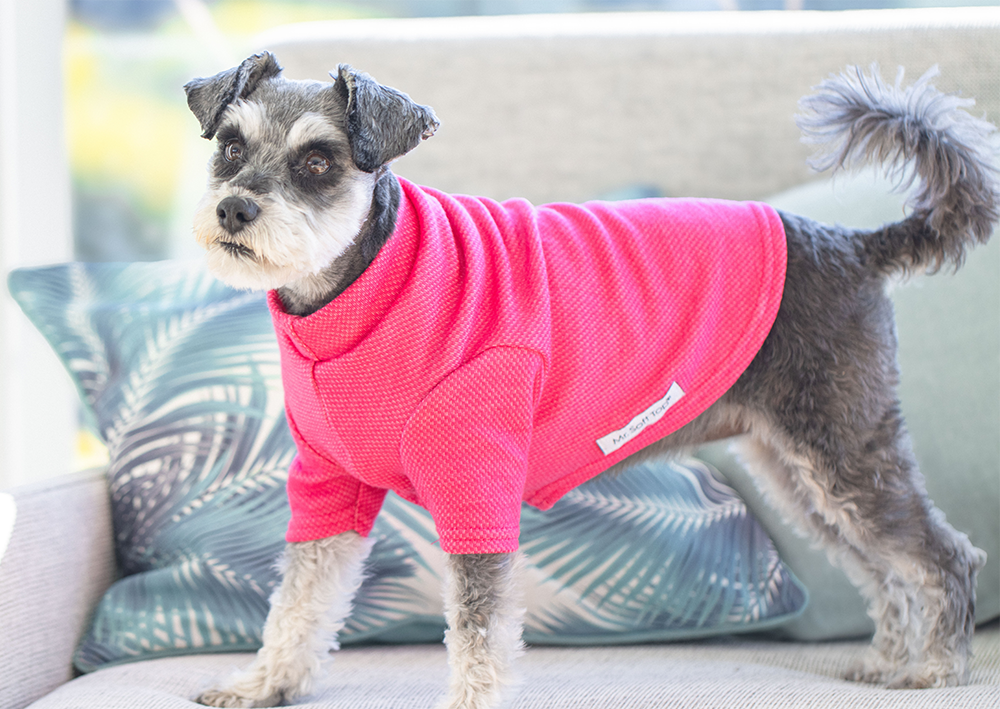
[{"x": 494, "y": 353}]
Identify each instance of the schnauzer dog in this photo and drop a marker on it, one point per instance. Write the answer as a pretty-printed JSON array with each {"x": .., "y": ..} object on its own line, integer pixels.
[{"x": 470, "y": 354}]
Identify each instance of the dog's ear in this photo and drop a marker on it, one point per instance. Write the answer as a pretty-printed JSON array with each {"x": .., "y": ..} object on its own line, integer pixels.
[
  {"x": 382, "y": 123},
  {"x": 209, "y": 98}
]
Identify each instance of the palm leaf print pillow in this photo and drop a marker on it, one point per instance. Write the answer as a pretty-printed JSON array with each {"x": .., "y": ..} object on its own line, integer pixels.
[{"x": 179, "y": 375}]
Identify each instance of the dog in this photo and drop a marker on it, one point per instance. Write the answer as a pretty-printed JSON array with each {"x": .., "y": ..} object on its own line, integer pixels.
[{"x": 463, "y": 391}]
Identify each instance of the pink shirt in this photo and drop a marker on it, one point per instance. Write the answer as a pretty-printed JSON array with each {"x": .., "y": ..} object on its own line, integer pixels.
[{"x": 494, "y": 353}]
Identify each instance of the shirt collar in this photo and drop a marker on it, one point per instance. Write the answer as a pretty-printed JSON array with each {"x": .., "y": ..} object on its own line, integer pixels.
[{"x": 345, "y": 321}]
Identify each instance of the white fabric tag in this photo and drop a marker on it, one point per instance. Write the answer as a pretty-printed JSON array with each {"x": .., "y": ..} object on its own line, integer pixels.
[{"x": 616, "y": 439}]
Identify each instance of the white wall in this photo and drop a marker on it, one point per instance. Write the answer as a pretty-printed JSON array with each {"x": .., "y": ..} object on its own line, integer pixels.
[{"x": 37, "y": 403}]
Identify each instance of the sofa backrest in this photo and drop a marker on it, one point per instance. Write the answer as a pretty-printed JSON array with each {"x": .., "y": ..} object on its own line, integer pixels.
[{"x": 569, "y": 107}]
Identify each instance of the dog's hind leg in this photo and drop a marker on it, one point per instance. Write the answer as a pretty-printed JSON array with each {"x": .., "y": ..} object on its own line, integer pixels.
[
  {"x": 862, "y": 498},
  {"x": 320, "y": 579},
  {"x": 484, "y": 613}
]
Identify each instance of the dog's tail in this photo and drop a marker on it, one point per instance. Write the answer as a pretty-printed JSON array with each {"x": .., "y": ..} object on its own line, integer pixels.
[{"x": 917, "y": 134}]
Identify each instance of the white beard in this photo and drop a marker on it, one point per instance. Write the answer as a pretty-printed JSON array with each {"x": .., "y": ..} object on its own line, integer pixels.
[{"x": 289, "y": 241}]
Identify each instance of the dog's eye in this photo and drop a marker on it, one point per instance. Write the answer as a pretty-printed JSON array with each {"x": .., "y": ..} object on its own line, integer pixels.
[
  {"x": 233, "y": 150},
  {"x": 317, "y": 163}
]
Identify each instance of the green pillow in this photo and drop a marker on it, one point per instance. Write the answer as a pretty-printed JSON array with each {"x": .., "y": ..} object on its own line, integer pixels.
[
  {"x": 180, "y": 376},
  {"x": 949, "y": 351}
]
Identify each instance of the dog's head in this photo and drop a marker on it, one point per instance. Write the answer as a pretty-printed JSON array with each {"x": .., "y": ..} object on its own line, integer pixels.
[{"x": 291, "y": 182}]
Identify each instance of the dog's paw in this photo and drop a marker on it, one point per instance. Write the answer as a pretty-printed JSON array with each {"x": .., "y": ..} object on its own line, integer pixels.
[
  {"x": 228, "y": 698},
  {"x": 929, "y": 675},
  {"x": 913, "y": 676},
  {"x": 912, "y": 680},
  {"x": 870, "y": 671}
]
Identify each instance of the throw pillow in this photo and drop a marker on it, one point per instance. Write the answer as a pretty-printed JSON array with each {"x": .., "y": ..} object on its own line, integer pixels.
[{"x": 180, "y": 377}]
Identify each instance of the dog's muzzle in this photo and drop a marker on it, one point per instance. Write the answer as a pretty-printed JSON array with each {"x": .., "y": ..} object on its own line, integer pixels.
[{"x": 236, "y": 212}]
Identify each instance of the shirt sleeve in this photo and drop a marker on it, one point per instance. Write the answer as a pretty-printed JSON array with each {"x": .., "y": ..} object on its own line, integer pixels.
[
  {"x": 466, "y": 450},
  {"x": 326, "y": 500}
]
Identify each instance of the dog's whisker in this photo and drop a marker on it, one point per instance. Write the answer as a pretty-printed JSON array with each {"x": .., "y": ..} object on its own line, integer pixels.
[{"x": 238, "y": 250}]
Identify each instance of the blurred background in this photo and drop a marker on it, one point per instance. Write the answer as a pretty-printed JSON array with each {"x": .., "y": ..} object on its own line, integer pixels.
[
  {"x": 100, "y": 159},
  {"x": 131, "y": 138}
]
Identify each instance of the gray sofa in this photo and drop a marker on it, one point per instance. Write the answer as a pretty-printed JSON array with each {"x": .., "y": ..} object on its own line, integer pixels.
[{"x": 570, "y": 108}]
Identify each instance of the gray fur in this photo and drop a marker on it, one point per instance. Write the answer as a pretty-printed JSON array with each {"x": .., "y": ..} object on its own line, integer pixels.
[
  {"x": 819, "y": 400},
  {"x": 370, "y": 125},
  {"x": 858, "y": 118},
  {"x": 383, "y": 123},
  {"x": 308, "y": 610},
  {"x": 209, "y": 98},
  {"x": 816, "y": 410},
  {"x": 484, "y": 613},
  {"x": 346, "y": 268}
]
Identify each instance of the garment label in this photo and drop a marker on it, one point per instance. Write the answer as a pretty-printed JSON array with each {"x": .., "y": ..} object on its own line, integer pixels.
[{"x": 616, "y": 439}]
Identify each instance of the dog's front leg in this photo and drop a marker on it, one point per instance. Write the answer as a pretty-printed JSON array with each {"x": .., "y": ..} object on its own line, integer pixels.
[
  {"x": 484, "y": 613},
  {"x": 320, "y": 579}
]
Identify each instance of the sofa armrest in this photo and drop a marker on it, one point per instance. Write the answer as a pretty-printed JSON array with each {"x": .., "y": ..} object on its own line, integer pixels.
[{"x": 56, "y": 560}]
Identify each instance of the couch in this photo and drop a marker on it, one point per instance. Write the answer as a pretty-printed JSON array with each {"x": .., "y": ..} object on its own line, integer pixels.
[{"x": 571, "y": 108}]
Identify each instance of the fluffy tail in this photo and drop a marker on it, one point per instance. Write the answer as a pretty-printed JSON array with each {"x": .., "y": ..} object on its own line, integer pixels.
[{"x": 858, "y": 119}]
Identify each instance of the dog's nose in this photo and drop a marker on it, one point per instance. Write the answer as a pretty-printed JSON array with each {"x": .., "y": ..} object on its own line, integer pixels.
[{"x": 236, "y": 212}]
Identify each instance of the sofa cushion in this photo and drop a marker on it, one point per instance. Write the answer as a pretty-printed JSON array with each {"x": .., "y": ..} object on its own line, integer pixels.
[
  {"x": 180, "y": 377},
  {"x": 715, "y": 674}
]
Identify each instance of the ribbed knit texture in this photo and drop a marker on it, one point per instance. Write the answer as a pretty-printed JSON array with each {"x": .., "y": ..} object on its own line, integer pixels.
[{"x": 489, "y": 346}]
